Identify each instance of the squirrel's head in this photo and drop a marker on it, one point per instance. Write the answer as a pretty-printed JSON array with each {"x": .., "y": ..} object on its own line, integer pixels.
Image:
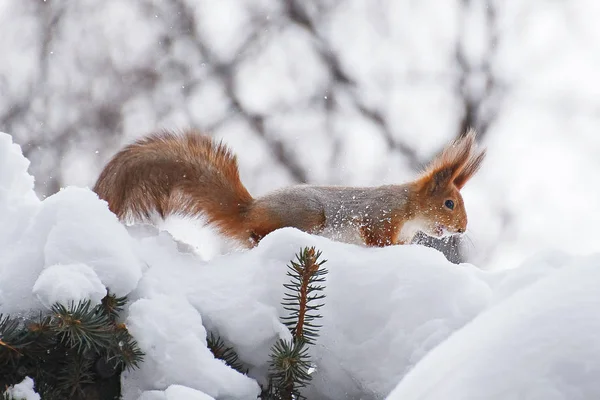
[{"x": 439, "y": 204}]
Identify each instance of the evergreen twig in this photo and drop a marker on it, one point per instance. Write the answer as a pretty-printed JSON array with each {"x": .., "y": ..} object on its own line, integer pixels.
[
  {"x": 81, "y": 326},
  {"x": 11, "y": 336},
  {"x": 304, "y": 290},
  {"x": 227, "y": 354},
  {"x": 290, "y": 360},
  {"x": 125, "y": 350},
  {"x": 74, "y": 374},
  {"x": 61, "y": 350},
  {"x": 290, "y": 363},
  {"x": 112, "y": 305},
  {"x": 8, "y": 334}
]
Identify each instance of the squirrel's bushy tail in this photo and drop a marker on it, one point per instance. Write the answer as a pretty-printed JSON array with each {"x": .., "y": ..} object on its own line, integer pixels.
[{"x": 176, "y": 173}]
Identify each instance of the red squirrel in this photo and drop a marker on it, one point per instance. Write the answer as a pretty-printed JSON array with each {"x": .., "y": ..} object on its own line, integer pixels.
[{"x": 188, "y": 173}]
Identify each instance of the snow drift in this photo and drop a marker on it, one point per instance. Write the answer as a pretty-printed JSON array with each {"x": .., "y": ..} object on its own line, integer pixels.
[
  {"x": 399, "y": 319},
  {"x": 542, "y": 343}
]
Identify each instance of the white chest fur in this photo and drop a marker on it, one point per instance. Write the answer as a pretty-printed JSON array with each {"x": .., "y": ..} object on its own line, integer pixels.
[{"x": 411, "y": 228}]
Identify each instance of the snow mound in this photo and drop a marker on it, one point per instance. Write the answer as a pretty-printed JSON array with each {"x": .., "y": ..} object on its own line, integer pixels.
[
  {"x": 17, "y": 198},
  {"x": 17, "y": 184},
  {"x": 23, "y": 391},
  {"x": 68, "y": 283},
  {"x": 541, "y": 343},
  {"x": 70, "y": 227},
  {"x": 175, "y": 392},
  {"x": 396, "y": 314},
  {"x": 385, "y": 308},
  {"x": 86, "y": 231},
  {"x": 171, "y": 332}
]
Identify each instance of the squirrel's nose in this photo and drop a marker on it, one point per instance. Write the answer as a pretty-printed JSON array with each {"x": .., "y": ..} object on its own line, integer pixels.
[{"x": 461, "y": 230}]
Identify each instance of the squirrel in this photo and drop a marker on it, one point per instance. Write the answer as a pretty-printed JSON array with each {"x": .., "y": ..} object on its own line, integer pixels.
[{"x": 188, "y": 173}]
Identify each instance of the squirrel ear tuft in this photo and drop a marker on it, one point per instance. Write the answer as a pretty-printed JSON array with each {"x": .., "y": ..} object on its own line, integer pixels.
[
  {"x": 447, "y": 165},
  {"x": 469, "y": 169}
]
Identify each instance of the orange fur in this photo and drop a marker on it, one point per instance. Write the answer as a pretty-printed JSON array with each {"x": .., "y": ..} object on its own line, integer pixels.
[
  {"x": 172, "y": 173},
  {"x": 190, "y": 174}
]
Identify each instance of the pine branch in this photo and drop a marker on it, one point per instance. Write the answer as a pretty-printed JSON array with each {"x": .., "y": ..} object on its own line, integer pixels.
[
  {"x": 12, "y": 337},
  {"x": 112, "y": 305},
  {"x": 306, "y": 274},
  {"x": 68, "y": 350},
  {"x": 81, "y": 326},
  {"x": 9, "y": 334},
  {"x": 290, "y": 360},
  {"x": 75, "y": 373},
  {"x": 48, "y": 392},
  {"x": 12, "y": 342},
  {"x": 124, "y": 349},
  {"x": 42, "y": 335},
  {"x": 289, "y": 367},
  {"x": 227, "y": 354}
]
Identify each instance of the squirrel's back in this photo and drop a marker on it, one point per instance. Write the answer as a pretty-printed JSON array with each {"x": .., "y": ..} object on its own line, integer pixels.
[
  {"x": 176, "y": 173},
  {"x": 337, "y": 212}
]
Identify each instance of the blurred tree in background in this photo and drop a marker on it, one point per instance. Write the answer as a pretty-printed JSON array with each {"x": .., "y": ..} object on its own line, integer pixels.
[{"x": 353, "y": 92}]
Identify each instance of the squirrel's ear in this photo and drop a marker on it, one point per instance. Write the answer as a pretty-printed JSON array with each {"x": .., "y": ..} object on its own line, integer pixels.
[
  {"x": 469, "y": 169},
  {"x": 446, "y": 167}
]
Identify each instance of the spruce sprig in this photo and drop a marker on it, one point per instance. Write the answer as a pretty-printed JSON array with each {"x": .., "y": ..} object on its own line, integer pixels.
[
  {"x": 290, "y": 363},
  {"x": 81, "y": 326},
  {"x": 10, "y": 336},
  {"x": 75, "y": 373},
  {"x": 112, "y": 305},
  {"x": 125, "y": 350},
  {"x": 69, "y": 349},
  {"x": 227, "y": 354},
  {"x": 13, "y": 342},
  {"x": 290, "y": 360},
  {"x": 304, "y": 294}
]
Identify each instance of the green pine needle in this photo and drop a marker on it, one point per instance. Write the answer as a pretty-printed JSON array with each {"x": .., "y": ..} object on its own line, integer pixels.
[
  {"x": 304, "y": 294},
  {"x": 290, "y": 360},
  {"x": 125, "y": 350},
  {"x": 112, "y": 305},
  {"x": 60, "y": 350},
  {"x": 81, "y": 326},
  {"x": 227, "y": 354},
  {"x": 13, "y": 341},
  {"x": 9, "y": 335},
  {"x": 288, "y": 369},
  {"x": 75, "y": 373}
]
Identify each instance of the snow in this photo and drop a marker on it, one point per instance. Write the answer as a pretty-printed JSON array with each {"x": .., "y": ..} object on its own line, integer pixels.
[
  {"x": 68, "y": 283},
  {"x": 541, "y": 343},
  {"x": 171, "y": 332},
  {"x": 238, "y": 296},
  {"x": 17, "y": 199},
  {"x": 70, "y": 227},
  {"x": 103, "y": 244},
  {"x": 22, "y": 391},
  {"x": 400, "y": 321},
  {"x": 175, "y": 392}
]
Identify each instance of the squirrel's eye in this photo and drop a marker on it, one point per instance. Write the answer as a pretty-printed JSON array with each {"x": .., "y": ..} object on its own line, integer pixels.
[{"x": 449, "y": 204}]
